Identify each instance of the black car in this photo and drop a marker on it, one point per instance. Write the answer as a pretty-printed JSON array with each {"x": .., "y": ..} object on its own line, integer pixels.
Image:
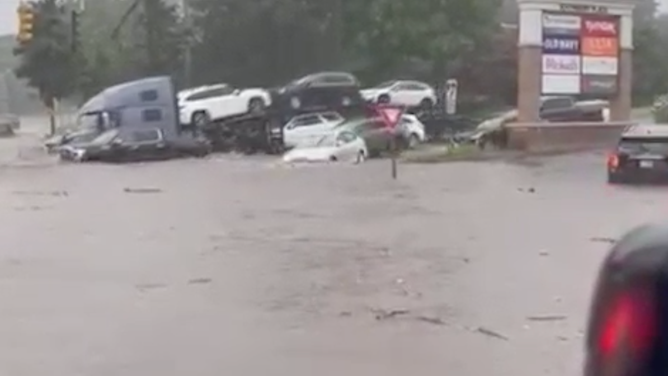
[
  {"x": 627, "y": 332},
  {"x": 641, "y": 155},
  {"x": 325, "y": 91},
  {"x": 116, "y": 145}
]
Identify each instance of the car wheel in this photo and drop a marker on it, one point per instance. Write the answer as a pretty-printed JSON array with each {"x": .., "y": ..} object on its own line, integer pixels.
[
  {"x": 333, "y": 158},
  {"x": 361, "y": 157},
  {"x": 256, "y": 106},
  {"x": 426, "y": 104},
  {"x": 384, "y": 99},
  {"x": 413, "y": 141},
  {"x": 200, "y": 119}
]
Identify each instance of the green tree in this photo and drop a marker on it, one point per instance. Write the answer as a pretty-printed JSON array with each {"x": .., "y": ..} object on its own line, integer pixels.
[
  {"x": 159, "y": 40},
  {"x": 129, "y": 39},
  {"x": 444, "y": 34},
  {"x": 47, "y": 61}
]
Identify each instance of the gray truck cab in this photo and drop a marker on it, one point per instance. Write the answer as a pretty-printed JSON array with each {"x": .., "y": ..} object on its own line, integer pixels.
[{"x": 144, "y": 103}]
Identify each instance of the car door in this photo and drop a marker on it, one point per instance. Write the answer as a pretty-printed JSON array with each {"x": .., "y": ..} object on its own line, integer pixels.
[
  {"x": 221, "y": 103},
  {"x": 375, "y": 134},
  {"x": 145, "y": 144},
  {"x": 413, "y": 94},
  {"x": 346, "y": 147}
]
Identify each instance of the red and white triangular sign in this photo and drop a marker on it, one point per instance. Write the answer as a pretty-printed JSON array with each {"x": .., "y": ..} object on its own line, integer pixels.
[{"x": 391, "y": 115}]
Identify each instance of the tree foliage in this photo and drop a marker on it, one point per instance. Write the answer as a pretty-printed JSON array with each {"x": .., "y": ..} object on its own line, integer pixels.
[
  {"x": 269, "y": 42},
  {"x": 47, "y": 61}
]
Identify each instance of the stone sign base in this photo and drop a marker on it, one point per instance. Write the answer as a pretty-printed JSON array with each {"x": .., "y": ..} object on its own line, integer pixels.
[{"x": 564, "y": 137}]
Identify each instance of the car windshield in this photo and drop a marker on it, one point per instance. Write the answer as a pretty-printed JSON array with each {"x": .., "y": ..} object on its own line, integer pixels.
[
  {"x": 328, "y": 140},
  {"x": 91, "y": 120},
  {"x": 385, "y": 85},
  {"x": 105, "y": 137},
  {"x": 656, "y": 145}
]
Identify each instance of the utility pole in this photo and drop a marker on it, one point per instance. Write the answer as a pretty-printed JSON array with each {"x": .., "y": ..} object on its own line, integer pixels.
[{"x": 187, "y": 56}]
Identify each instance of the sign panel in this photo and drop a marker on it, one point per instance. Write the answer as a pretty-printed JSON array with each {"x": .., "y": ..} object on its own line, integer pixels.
[
  {"x": 561, "y": 64},
  {"x": 561, "y": 84},
  {"x": 583, "y": 8},
  {"x": 561, "y": 45},
  {"x": 562, "y": 21},
  {"x": 600, "y": 46},
  {"x": 600, "y": 27},
  {"x": 599, "y": 85},
  {"x": 600, "y": 65}
]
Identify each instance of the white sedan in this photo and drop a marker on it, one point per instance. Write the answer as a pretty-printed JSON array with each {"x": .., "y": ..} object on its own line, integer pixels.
[
  {"x": 204, "y": 104},
  {"x": 410, "y": 94},
  {"x": 309, "y": 128},
  {"x": 334, "y": 147}
]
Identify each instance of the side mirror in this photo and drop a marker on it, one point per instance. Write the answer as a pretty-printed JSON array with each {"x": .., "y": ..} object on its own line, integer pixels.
[{"x": 236, "y": 92}]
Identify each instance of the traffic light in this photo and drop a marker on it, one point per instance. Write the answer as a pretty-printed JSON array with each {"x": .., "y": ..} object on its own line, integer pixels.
[
  {"x": 75, "y": 35},
  {"x": 26, "y": 15}
]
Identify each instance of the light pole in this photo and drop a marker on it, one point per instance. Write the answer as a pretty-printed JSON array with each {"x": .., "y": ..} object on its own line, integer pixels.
[{"x": 187, "y": 56}]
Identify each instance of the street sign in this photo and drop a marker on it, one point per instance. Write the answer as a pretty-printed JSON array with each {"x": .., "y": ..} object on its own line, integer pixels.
[{"x": 391, "y": 115}]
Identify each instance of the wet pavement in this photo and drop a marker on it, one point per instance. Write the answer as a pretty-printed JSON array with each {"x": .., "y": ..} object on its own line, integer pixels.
[{"x": 237, "y": 266}]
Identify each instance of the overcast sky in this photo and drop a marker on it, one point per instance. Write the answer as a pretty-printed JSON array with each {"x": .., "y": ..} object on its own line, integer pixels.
[{"x": 9, "y": 24}]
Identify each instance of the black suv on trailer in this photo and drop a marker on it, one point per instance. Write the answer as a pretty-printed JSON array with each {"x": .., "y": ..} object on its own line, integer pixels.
[
  {"x": 318, "y": 92},
  {"x": 641, "y": 155}
]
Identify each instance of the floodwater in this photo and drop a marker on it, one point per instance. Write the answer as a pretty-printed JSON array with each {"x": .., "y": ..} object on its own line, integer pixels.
[{"x": 238, "y": 266}]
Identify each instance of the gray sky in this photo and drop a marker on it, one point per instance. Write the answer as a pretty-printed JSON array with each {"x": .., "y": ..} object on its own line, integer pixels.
[{"x": 9, "y": 24}]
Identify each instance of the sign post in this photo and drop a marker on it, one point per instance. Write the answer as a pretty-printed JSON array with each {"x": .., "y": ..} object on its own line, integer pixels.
[
  {"x": 451, "y": 86},
  {"x": 391, "y": 116}
]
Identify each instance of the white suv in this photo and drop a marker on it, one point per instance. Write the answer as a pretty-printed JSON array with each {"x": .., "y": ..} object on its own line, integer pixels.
[
  {"x": 204, "y": 104},
  {"x": 410, "y": 94}
]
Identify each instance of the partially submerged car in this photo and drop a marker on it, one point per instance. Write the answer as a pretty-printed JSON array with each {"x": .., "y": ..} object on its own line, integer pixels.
[
  {"x": 307, "y": 129},
  {"x": 134, "y": 145},
  {"x": 379, "y": 138},
  {"x": 337, "y": 146}
]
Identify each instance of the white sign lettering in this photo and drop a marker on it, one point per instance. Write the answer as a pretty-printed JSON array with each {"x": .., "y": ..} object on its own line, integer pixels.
[
  {"x": 597, "y": 27},
  {"x": 561, "y": 21}
]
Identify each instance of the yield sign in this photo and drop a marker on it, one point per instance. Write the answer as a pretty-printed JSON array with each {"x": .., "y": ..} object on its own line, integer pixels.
[{"x": 390, "y": 115}]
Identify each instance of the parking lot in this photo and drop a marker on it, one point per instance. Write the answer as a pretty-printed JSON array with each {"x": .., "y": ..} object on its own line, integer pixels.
[{"x": 239, "y": 266}]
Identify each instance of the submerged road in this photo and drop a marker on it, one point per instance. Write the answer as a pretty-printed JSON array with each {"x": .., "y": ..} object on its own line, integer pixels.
[{"x": 235, "y": 266}]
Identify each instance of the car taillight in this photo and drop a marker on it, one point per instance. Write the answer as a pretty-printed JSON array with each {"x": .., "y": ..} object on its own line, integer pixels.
[
  {"x": 628, "y": 326},
  {"x": 613, "y": 160}
]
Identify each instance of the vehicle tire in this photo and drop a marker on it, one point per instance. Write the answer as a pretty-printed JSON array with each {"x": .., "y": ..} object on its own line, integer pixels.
[
  {"x": 361, "y": 157},
  {"x": 413, "y": 141},
  {"x": 384, "y": 99},
  {"x": 256, "y": 106},
  {"x": 333, "y": 158},
  {"x": 426, "y": 104},
  {"x": 200, "y": 119}
]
